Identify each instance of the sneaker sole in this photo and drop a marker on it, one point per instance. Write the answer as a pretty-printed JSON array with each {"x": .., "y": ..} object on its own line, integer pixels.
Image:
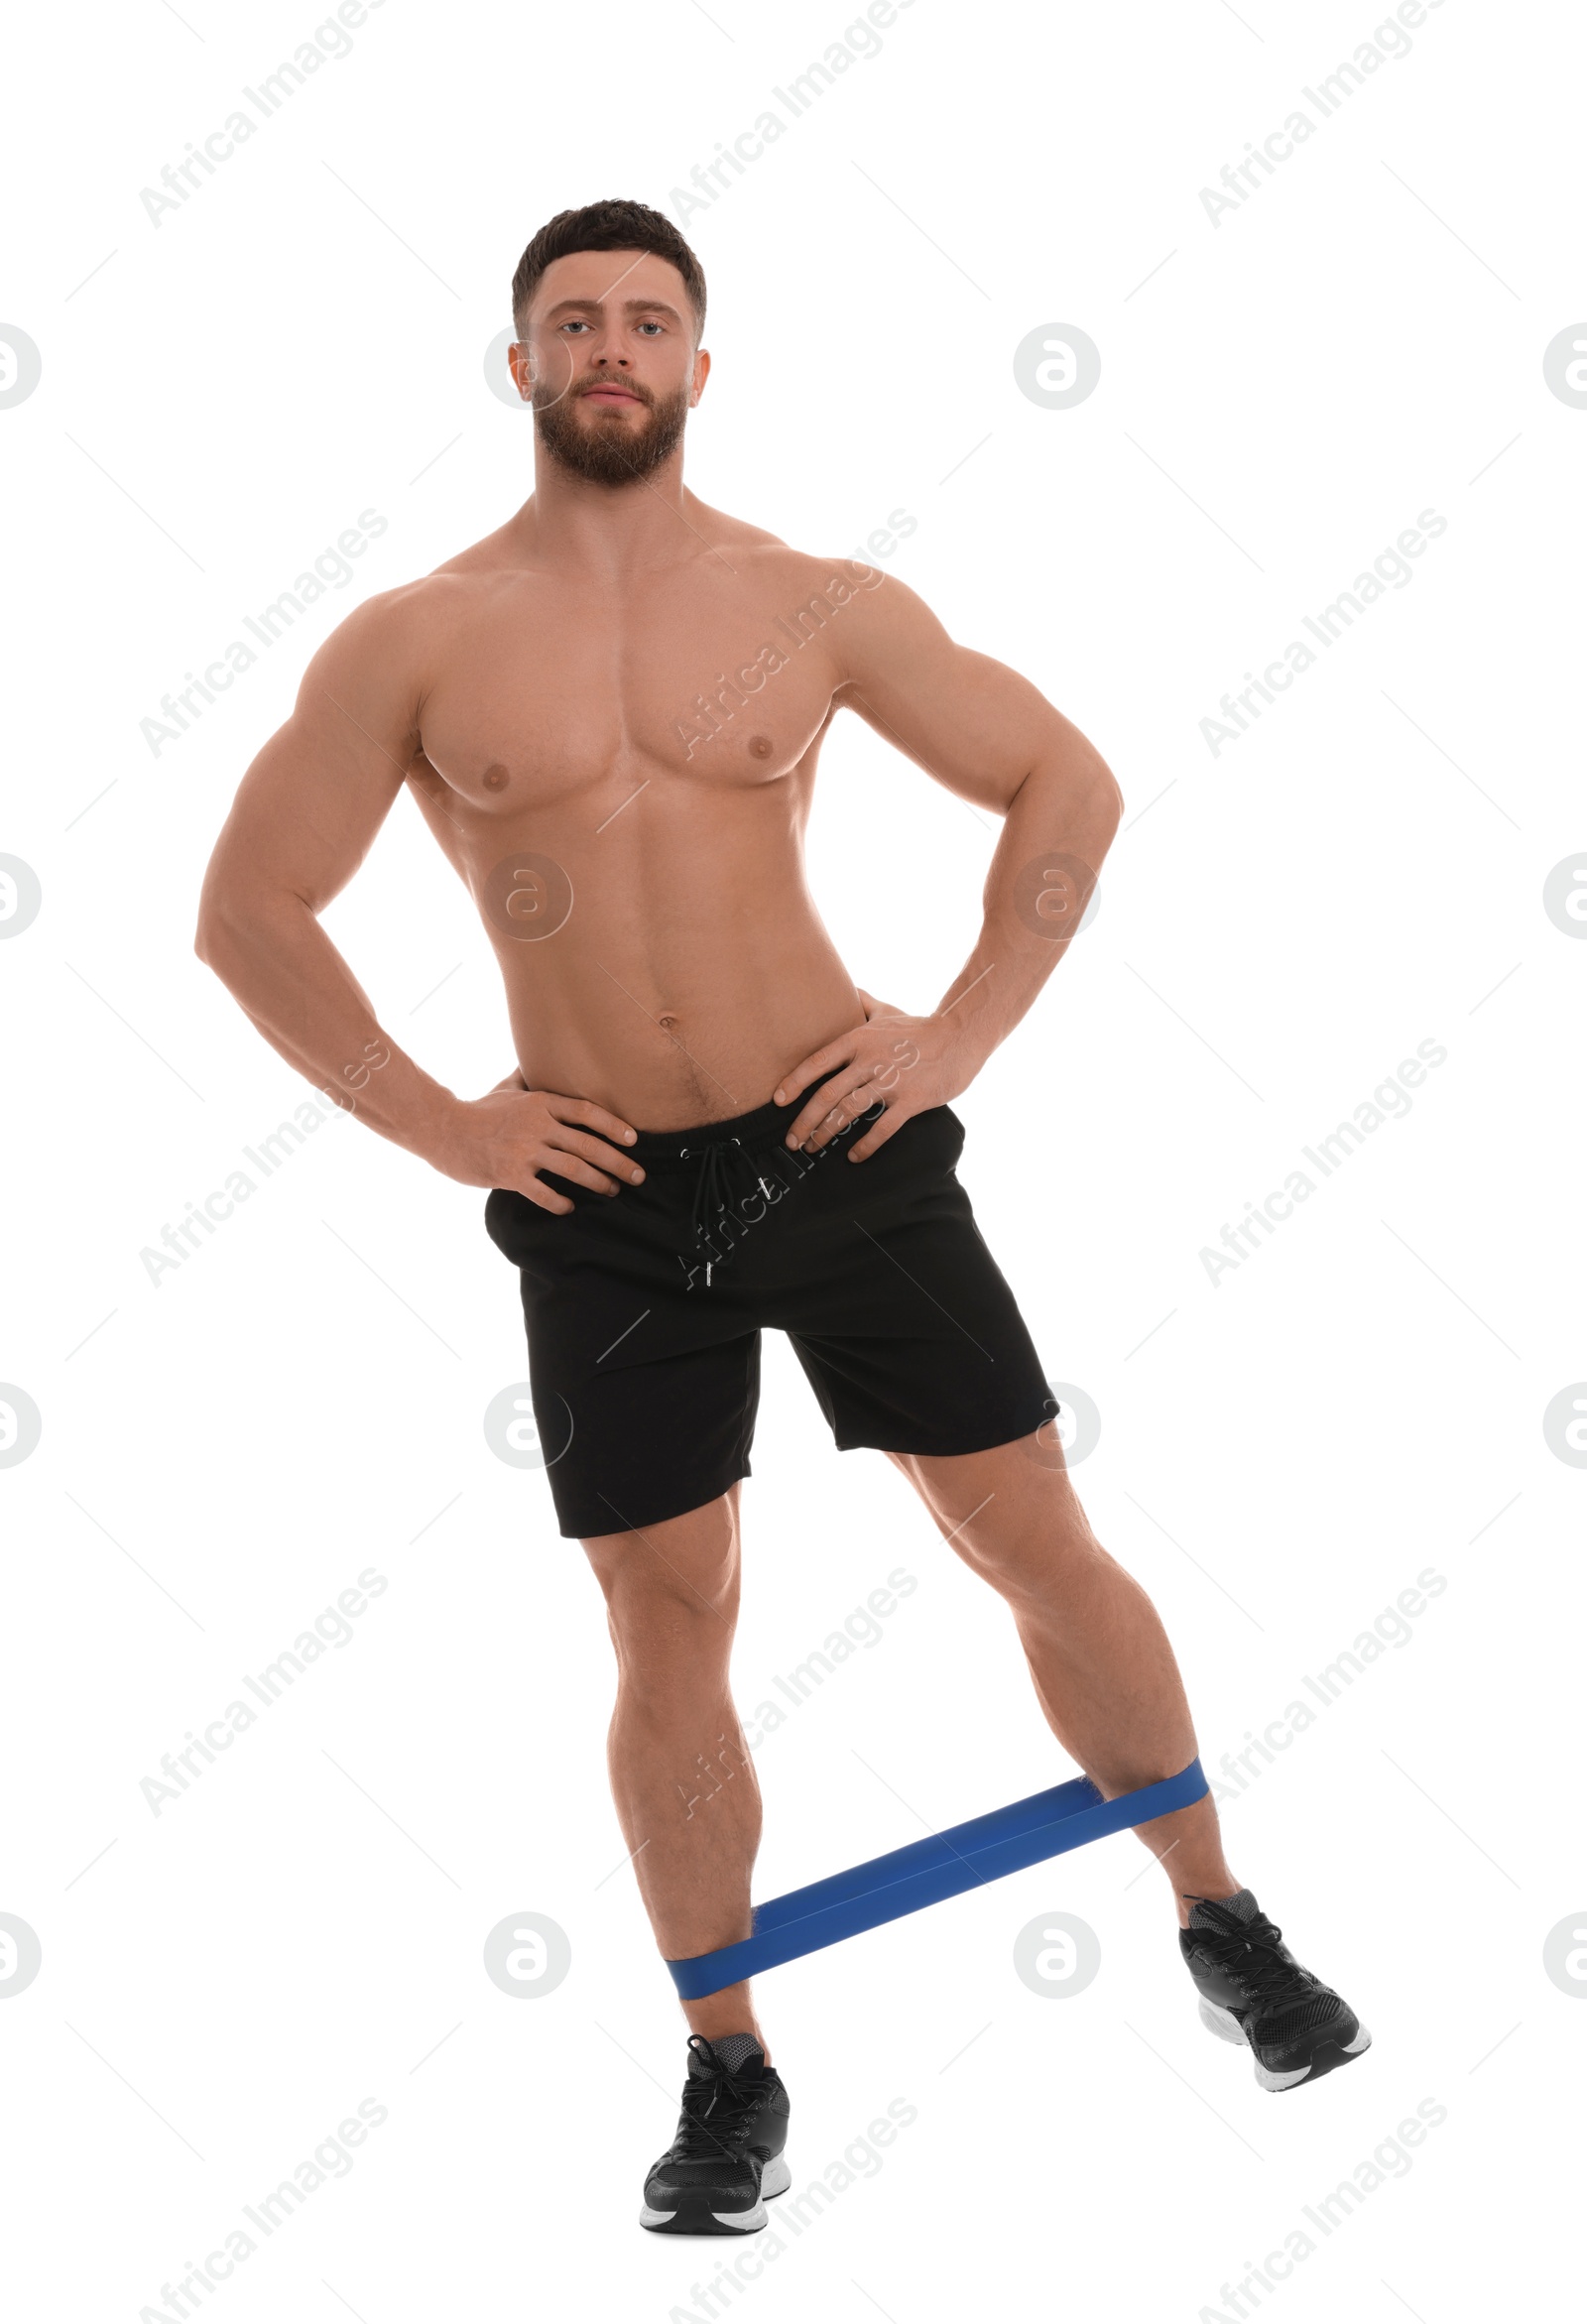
[
  {"x": 698, "y": 2219},
  {"x": 1327, "y": 2055}
]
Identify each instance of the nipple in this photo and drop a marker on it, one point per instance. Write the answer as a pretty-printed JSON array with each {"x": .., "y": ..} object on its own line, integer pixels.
[
  {"x": 760, "y": 746},
  {"x": 496, "y": 778}
]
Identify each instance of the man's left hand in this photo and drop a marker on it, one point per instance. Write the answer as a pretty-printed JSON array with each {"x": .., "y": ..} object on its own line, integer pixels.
[{"x": 907, "y": 1063}]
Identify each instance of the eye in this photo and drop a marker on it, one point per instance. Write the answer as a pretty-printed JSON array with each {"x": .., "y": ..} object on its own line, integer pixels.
[
  {"x": 575, "y": 324},
  {"x": 653, "y": 325}
]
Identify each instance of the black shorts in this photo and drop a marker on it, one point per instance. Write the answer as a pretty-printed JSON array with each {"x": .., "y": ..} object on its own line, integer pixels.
[{"x": 644, "y": 1310}]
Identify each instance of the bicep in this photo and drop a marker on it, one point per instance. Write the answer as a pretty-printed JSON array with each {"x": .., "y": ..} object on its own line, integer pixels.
[
  {"x": 970, "y": 721},
  {"x": 310, "y": 805}
]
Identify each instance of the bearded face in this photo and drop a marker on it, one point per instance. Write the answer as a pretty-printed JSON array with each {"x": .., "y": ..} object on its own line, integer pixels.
[{"x": 603, "y": 440}]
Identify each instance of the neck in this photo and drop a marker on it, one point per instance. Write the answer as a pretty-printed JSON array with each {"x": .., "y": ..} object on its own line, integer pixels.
[{"x": 605, "y": 529}]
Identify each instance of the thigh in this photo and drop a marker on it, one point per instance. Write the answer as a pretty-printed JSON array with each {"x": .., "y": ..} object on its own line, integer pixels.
[
  {"x": 1008, "y": 1511},
  {"x": 901, "y": 1318},
  {"x": 645, "y": 1399},
  {"x": 646, "y": 1443}
]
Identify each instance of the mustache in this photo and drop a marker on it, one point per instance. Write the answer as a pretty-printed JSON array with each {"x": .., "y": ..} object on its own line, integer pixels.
[{"x": 629, "y": 387}]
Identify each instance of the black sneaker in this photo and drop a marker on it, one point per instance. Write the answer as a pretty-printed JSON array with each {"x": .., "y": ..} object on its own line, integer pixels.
[
  {"x": 1253, "y": 1989},
  {"x": 728, "y": 2151}
]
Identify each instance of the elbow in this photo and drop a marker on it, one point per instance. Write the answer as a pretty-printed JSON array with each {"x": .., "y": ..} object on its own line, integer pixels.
[
  {"x": 1104, "y": 803},
  {"x": 215, "y": 934},
  {"x": 206, "y": 935},
  {"x": 239, "y": 924}
]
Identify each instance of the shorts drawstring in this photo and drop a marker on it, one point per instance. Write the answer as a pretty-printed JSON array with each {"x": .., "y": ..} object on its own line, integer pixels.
[{"x": 713, "y": 1185}]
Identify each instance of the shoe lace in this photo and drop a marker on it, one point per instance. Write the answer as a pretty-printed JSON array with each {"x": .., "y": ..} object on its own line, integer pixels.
[
  {"x": 1249, "y": 1950},
  {"x": 718, "y": 2105}
]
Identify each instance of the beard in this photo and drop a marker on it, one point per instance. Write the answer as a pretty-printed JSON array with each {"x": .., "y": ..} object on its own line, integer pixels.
[{"x": 603, "y": 447}]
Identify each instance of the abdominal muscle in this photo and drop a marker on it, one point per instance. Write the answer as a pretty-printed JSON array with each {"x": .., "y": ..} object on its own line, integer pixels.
[{"x": 691, "y": 970}]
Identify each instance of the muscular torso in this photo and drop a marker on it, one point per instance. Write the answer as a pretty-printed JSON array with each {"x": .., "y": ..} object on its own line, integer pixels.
[{"x": 638, "y": 859}]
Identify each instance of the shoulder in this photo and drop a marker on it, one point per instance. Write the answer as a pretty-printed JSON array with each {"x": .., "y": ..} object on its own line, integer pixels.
[
  {"x": 381, "y": 663},
  {"x": 875, "y": 622},
  {"x": 775, "y": 564},
  {"x": 717, "y": 530},
  {"x": 403, "y": 628},
  {"x": 869, "y": 621},
  {"x": 799, "y": 580},
  {"x": 495, "y": 552}
]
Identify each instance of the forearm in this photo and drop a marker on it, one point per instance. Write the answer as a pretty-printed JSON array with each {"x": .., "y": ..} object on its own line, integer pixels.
[
  {"x": 289, "y": 978},
  {"x": 1058, "y": 828}
]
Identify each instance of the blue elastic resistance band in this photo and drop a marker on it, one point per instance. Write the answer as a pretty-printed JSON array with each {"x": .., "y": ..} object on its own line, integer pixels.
[{"x": 966, "y": 1856}]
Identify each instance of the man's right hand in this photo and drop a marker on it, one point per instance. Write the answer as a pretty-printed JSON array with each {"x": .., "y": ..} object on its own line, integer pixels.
[{"x": 507, "y": 1137}]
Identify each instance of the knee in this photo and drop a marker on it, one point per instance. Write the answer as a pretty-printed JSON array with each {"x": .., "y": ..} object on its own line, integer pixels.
[
  {"x": 1058, "y": 1557},
  {"x": 672, "y": 1591}
]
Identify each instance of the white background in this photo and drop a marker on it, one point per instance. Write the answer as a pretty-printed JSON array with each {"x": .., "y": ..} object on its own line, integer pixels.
[{"x": 1281, "y": 393}]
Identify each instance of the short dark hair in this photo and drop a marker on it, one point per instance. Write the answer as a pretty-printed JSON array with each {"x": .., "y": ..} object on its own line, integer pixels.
[{"x": 608, "y": 225}]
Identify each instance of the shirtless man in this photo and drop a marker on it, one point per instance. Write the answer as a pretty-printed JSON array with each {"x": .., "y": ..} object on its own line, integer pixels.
[{"x": 609, "y": 712}]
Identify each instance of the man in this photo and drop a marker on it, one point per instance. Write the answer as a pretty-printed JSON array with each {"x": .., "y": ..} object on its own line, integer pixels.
[{"x": 609, "y": 712}]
